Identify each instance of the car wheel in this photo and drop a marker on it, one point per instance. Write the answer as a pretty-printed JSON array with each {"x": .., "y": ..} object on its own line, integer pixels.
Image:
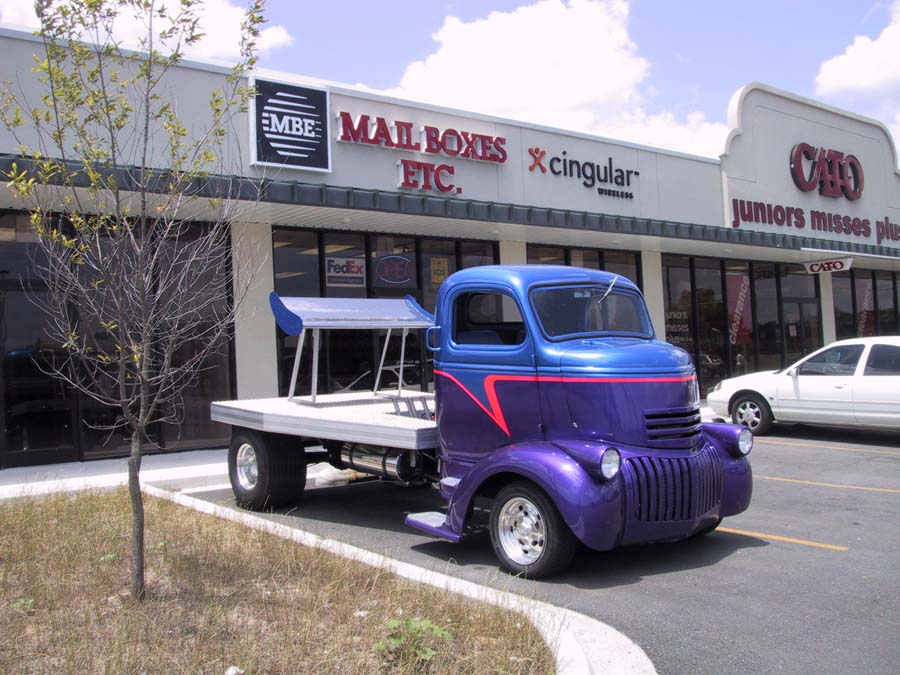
[
  {"x": 528, "y": 533},
  {"x": 266, "y": 470},
  {"x": 751, "y": 411}
]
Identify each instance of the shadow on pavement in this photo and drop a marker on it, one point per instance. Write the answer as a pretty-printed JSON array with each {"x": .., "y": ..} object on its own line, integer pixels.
[
  {"x": 380, "y": 508},
  {"x": 802, "y": 432}
]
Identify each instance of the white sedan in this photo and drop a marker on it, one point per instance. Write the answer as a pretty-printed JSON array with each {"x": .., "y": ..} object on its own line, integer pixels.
[{"x": 850, "y": 383}]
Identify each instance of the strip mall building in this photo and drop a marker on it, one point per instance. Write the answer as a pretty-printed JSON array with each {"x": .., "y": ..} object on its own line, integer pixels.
[{"x": 788, "y": 241}]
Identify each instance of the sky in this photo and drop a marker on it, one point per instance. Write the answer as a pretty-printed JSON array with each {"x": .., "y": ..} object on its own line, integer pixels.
[{"x": 656, "y": 72}]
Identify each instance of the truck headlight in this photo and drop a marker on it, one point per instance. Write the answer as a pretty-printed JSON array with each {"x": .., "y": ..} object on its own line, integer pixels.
[
  {"x": 745, "y": 442},
  {"x": 610, "y": 463}
]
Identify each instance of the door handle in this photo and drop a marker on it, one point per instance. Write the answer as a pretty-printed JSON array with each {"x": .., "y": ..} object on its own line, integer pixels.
[{"x": 839, "y": 386}]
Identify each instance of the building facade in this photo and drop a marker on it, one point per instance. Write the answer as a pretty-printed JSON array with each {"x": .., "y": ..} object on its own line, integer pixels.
[{"x": 788, "y": 241}]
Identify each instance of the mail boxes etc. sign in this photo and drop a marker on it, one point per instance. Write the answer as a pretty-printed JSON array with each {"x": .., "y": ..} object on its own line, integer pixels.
[
  {"x": 290, "y": 126},
  {"x": 430, "y": 176}
]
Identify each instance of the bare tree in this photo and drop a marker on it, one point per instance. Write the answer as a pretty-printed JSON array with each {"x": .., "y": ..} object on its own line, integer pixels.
[{"x": 139, "y": 291}]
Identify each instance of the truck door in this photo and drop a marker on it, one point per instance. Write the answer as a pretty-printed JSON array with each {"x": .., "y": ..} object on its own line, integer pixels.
[{"x": 485, "y": 378}]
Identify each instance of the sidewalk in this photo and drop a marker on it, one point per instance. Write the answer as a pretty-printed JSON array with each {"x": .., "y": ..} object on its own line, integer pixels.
[{"x": 39, "y": 480}]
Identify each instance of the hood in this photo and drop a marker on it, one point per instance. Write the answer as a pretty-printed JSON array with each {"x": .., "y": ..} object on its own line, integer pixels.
[
  {"x": 749, "y": 380},
  {"x": 630, "y": 390},
  {"x": 623, "y": 357}
]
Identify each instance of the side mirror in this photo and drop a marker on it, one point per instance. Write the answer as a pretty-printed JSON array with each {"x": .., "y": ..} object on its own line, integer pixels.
[
  {"x": 433, "y": 338},
  {"x": 793, "y": 372}
]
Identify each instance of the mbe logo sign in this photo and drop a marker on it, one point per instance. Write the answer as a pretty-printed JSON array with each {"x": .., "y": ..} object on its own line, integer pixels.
[{"x": 290, "y": 125}]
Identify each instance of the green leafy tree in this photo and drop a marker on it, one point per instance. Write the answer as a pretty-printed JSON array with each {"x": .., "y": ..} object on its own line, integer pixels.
[{"x": 139, "y": 296}]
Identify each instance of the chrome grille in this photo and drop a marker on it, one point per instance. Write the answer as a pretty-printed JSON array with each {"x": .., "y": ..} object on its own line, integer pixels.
[
  {"x": 681, "y": 488},
  {"x": 673, "y": 428}
]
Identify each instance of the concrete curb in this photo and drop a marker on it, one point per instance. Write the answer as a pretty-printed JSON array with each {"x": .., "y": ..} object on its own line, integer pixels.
[{"x": 581, "y": 645}]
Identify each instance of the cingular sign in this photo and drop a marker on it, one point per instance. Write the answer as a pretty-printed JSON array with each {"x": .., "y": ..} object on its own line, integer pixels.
[{"x": 833, "y": 173}]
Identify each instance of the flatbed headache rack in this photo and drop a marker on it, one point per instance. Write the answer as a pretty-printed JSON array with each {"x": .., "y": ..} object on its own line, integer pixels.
[{"x": 398, "y": 417}]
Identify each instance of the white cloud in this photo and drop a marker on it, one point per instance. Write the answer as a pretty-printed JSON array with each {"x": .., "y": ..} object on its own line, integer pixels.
[
  {"x": 866, "y": 65},
  {"x": 568, "y": 64},
  {"x": 220, "y": 21}
]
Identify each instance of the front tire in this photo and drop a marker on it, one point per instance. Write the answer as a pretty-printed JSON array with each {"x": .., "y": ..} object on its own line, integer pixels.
[
  {"x": 751, "y": 411},
  {"x": 528, "y": 533},
  {"x": 266, "y": 470}
]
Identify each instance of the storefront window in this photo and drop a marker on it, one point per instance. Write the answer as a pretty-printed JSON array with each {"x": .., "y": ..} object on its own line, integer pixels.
[
  {"x": 546, "y": 255},
  {"x": 296, "y": 262},
  {"x": 624, "y": 263},
  {"x": 864, "y": 290},
  {"x": 740, "y": 317},
  {"x": 438, "y": 263},
  {"x": 345, "y": 265},
  {"x": 394, "y": 266},
  {"x": 678, "y": 306},
  {"x": 887, "y": 308},
  {"x": 842, "y": 289},
  {"x": 581, "y": 257},
  {"x": 476, "y": 253},
  {"x": 36, "y": 408},
  {"x": 767, "y": 326},
  {"x": 710, "y": 312}
]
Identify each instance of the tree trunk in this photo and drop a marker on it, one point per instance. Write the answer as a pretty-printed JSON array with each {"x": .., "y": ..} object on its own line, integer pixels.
[{"x": 138, "y": 590}]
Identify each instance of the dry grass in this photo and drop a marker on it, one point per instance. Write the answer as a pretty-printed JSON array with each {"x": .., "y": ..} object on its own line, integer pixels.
[{"x": 220, "y": 595}]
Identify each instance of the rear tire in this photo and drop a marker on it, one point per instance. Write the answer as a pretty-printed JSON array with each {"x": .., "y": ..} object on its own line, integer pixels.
[
  {"x": 528, "y": 533},
  {"x": 266, "y": 470},
  {"x": 752, "y": 411}
]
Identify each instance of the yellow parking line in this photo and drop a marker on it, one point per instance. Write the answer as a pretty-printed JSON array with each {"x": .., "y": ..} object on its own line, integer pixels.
[
  {"x": 813, "y": 445},
  {"x": 829, "y": 485},
  {"x": 777, "y": 537}
]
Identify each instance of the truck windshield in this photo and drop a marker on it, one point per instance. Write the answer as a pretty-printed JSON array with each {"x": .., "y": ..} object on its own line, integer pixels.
[{"x": 576, "y": 311}]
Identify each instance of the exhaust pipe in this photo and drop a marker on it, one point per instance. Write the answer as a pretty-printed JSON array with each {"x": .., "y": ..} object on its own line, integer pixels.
[{"x": 389, "y": 463}]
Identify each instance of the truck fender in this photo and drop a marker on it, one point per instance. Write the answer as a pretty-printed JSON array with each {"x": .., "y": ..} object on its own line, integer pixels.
[{"x": 593, "y": 509}]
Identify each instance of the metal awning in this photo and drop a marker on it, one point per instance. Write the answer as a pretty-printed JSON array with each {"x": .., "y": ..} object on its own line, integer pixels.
[{"x": 295, "y": 314}]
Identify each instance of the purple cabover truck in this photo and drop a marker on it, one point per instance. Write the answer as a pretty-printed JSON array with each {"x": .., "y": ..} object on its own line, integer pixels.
[{"x": 552, "y": 398}]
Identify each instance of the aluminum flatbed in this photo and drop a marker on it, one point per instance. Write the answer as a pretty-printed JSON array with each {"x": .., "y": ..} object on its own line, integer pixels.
[{"x": 384, "y": 418}]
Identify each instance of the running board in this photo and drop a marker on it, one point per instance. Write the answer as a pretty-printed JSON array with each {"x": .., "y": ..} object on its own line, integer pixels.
[{"x": 433, "y": 523}]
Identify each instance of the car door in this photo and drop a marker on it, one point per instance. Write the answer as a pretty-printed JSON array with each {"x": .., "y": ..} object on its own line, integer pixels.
[
  {"x": 819, "y": 389},
  {"x": 876, "y": 389}
]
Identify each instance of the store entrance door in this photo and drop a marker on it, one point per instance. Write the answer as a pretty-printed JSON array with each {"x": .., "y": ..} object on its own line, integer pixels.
[{"x": 802, "y": 328}]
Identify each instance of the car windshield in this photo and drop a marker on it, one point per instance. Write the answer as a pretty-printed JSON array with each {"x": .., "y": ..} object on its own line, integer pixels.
[{"x": 569, "y": 311}]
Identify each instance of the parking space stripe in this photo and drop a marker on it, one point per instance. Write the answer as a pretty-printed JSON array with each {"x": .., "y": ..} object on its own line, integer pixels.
[
  {"x": 813, "y": 445},
  {"x": 778, "y": 537},
  {"x": 829, "y": 485}
]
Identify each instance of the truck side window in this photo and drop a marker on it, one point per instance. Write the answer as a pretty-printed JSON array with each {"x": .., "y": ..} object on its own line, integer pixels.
[{"x": 487, "y": 319}]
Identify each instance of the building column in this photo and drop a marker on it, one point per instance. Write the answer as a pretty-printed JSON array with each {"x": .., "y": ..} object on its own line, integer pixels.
[
  {"x": 256, "y": 363},
  {"x": 651, "y": 270},
  {"x": 826, "y": 298},
  {"x": 513, "y": 252}
]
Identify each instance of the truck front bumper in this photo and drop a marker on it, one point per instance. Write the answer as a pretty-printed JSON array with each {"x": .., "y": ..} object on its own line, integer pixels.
[{"x": 669, "y": 495}]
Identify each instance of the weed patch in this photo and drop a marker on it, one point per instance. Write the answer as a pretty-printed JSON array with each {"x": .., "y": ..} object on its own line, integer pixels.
[{"x": 222, "y": 596}]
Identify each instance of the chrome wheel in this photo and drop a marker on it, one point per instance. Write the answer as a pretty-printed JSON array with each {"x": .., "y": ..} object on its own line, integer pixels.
[
  {"x": 748, "y": 414},
  {"x": 521, "y": 531},
  {"x": 246, "y": 466}
]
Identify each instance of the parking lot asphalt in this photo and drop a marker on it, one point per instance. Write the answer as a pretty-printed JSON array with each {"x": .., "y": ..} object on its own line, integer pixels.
[{"x": 807, "y": 580}]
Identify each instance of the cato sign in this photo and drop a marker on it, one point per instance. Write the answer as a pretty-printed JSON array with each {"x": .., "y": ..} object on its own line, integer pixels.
[{"x": 837, "y": 265}]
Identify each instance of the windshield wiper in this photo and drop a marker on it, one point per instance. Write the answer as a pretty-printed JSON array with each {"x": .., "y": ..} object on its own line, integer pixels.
[{"x": 608, "y": 290}]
